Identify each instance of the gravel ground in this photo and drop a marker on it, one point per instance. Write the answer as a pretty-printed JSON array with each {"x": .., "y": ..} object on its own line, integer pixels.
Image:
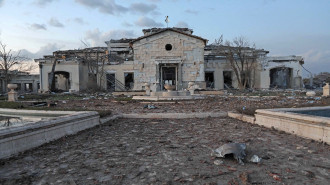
[
  {"x": 153, "y": 151},
  {"x": 210, "y": 104}
]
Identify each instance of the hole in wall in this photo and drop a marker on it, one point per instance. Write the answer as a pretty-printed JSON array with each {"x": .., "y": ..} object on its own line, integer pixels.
[{"x": 168, "y": 47}]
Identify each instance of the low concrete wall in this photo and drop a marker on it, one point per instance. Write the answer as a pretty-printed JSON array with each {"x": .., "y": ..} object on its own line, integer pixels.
[
  {"x": 129, "y": 93},
  {"x": 175, "y": 115},
  {"x": 312, "y": 127},
  {"x": 242, "y": 117},
  {"x": 210, "y": 92},
  {"x": 18, "y": 139}
]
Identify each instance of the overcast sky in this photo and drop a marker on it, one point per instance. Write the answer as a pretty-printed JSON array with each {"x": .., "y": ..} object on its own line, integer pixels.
[{"x": 283, "y": 27}]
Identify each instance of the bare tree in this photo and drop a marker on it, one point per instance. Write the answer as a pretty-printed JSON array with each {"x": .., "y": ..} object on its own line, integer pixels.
[
  {"x": 51, "y": 79},
  {"x": 9, "y": 60},
  {"x": 242, "y": 58},
  {"x": 95, "y": 58}
]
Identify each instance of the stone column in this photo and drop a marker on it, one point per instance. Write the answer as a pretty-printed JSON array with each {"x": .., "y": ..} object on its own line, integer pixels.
[
  {"x": 12, "y": 94},
  {"x": 326, "y": 90}
]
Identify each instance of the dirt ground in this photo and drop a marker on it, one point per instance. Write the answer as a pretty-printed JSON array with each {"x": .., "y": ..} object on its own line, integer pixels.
[
  {"x": 169, "y": 151},
  {"x": 210, "y": 104},
  {"x": 152, "y": 151}
]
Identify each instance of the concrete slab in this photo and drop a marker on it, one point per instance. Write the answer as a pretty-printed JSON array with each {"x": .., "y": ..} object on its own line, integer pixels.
[{"x": 312, "y": 127}]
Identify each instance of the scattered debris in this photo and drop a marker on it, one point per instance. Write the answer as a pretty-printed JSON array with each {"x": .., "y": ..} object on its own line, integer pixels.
[
  {"x": 218, "y": 162},
  {"x": 255, "y": 159},
  {"x": 149, "y": 106},
  {"x": 237, "y": 149}
]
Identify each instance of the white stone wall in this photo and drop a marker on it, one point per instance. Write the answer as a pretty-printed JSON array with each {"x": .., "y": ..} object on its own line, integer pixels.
[
  {"x": 77, "y": 78},
  {"x": 262, "y": 73},
  {"x": 187, "y": 53},
  {"x": 288, "y": 62}
]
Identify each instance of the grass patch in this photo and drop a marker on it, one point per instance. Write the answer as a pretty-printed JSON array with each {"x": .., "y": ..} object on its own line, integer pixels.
[{"x": 11, "y": 105}]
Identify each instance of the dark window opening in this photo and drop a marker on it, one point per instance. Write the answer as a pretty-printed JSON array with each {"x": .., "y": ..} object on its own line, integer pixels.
[
  {"x": 209, "y": 79},
  {"x": 129, "y": 80},
  {"x": 227, "y": 80},
  {"x": 168, "y": 47},
  {"x": 62, "y": 81},
  {"x": 168, "y": 75},
  {"x": 280, "y": 77},
  {"x": 28, "y": 87}
]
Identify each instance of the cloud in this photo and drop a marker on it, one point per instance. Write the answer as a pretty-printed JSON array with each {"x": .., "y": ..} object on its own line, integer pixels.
[
  {"x": 36, "y": 26},
  {"x": 47, "y": 49},
  {"x": 182, "y": 24},
  {"x": 317, "y": 61},
  {"x": 97, "y": 38},
  {"x": 80, "y": 21},
  {"x": 104, "y": 6},
  {"x": 1, "y": 2},
  {"x": 191, "y": 11},
  {"x": 43, "y": 2},
  {"x": 126, "y": 24},
  {"x": 155, "y": 1},
  {"x": 142, "y": 8},
  {"x": 147, "y": 22},
  {"x": 54, "y": 22}
]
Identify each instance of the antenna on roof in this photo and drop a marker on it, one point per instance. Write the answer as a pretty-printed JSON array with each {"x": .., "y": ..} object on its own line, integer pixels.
[{"x": 166, "y": 20}]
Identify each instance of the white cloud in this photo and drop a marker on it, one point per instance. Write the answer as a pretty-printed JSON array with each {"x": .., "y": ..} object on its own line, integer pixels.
[
  {"x": 54, "y": 22},
  {"x": 182, "y": 24},
  {"x": 80, "y": 21},
  {"x": 1, "y": 2},
  {"x": 47, "y": 49},
  {"x": 43, "y": 2},
  {"x": 155, "y": 1},
  {"x": 317, "y": 61},
  {"x": 147, "y": 22},
  {"x": 36, "y": 26},
  {"x": 142, "y": 8},
  {"x": 97, "y": 38},
  {"x": 126, "y": 24},
  {"x": 191, "y": 11},
  {"x": 104, "y": 6}
]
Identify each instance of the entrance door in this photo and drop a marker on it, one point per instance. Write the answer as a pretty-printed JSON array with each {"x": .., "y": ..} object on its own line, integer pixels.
[{"x": 168, "y": 76}]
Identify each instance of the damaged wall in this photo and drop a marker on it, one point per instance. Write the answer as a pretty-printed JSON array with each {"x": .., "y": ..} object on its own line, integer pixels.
[
  {"x": 288, "y": 70},
  {"x": 186, "y": 53}
]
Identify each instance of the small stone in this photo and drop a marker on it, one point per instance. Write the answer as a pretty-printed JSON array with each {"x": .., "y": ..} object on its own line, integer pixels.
[{"x": 218, "y": 162}]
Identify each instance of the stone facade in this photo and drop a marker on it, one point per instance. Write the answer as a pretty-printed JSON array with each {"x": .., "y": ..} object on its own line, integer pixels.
[{"x": 172, "y": 56}]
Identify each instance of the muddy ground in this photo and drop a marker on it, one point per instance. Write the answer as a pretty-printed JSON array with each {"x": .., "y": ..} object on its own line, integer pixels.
[{"x": 152, "y": 151}]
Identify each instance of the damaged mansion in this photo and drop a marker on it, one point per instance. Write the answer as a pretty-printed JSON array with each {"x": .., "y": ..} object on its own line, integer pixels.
[{"x": 162, "y": 56}]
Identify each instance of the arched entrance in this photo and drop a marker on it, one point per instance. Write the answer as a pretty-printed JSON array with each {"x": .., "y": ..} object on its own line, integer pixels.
[
  {"x": 62, "y": 80},
  {"x": 280, "y": 77}
]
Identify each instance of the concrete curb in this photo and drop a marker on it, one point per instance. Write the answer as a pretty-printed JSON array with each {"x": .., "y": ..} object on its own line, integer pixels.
[{"x": 242, "y": 117}]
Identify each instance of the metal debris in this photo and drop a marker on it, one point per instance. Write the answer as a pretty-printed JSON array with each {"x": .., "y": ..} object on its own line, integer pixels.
[{"x": 237, "y": 149}]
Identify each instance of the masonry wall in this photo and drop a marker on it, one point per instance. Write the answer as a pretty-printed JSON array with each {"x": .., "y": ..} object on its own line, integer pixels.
[
  {"x": 72, "y": 67},
  {"x": 119, "y": 71},
  {"x": 296, "y": 72},
  {"x": 187, "y": 54}
]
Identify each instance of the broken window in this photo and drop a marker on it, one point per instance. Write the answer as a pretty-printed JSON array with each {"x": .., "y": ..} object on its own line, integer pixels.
[
  {"x": 62, "y": 81},
  {"x": 227, "y": 79},
  {"x": 129, "y": 80},
  {"x": 209, "y": 79},
  {"x": 280, "y": 77},
  {"x": 28, "y": 87}
]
